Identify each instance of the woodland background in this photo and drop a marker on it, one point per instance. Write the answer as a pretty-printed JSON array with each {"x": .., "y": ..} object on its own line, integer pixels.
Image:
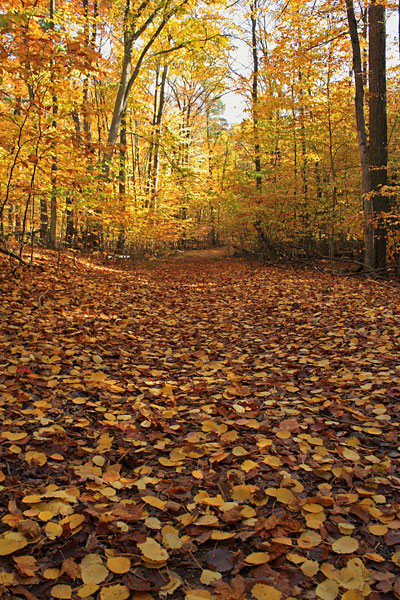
[{"x": 114, "y": 136}]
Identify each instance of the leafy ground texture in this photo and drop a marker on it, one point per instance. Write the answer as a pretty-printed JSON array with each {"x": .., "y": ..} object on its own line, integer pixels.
[{"x": 198, "y": 429}]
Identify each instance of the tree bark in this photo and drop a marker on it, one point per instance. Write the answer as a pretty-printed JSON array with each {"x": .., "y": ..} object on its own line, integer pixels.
[
  {"x": 369, "y": 258},
  {"x": 378, "y": 154},
  {"x": 254, "y": 94},
  {"x": 54, "y": 166}
]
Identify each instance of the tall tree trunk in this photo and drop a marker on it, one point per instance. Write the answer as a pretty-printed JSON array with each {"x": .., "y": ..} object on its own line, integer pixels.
[
  {"x": 152, "y": 134},
  {"x": 369, "y": 255},
  {"x": 157, "y": 138},
  {"x": 54, "y": 167},
  {"x": 378, "y": 154},
  {"x": 122, "y": 186},
  {"x": 254, "y": 94},
  {"x": 332, "y": 161}
]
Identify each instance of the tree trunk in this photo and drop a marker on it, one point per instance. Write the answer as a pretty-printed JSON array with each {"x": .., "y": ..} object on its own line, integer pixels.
[
  {"x": 157, "y": 138},
  {"x": 369, "y": 256},
  {"x": 378, "y": 154},
  {"x": 122, "y": 187},
  {"x": 254, "y": 94},
  {"x": 54, "y": 167}
]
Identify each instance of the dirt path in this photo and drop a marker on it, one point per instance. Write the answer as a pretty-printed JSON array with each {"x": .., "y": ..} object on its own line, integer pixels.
[{"x": 220, "y": 426}]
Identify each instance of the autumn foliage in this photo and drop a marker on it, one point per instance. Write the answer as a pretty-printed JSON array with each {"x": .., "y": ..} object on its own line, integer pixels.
[{"x": 199, "y": 428}]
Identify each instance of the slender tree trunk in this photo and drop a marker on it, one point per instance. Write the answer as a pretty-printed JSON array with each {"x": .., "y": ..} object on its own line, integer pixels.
[
  {"x": 157, "y": 138},
  {"x": 332, "y": 163},
  {"x": 152, "y": 135},
  {"x": 369, "y": 255},
  {"x": 254, "y": 94},
  {"x": 54, "y": 166},
  {"x": 378, "y": 154},
  {"x": 122, "y": 186}
]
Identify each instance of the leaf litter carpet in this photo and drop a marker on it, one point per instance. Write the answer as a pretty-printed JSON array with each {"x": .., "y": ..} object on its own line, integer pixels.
[{"x": 198, "y": 429}]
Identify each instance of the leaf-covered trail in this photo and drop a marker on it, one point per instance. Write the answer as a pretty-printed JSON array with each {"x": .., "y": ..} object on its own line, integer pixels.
[{"x": 198, "y": 428}]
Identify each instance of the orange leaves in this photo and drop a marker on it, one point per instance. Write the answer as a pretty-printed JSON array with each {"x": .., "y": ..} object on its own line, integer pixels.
[
  {"x": 11, "y": 542},
  {"x": 240, "y": 491}
]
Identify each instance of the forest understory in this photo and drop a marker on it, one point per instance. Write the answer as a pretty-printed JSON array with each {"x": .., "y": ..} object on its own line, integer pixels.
[{"x": 198, "y": 428}]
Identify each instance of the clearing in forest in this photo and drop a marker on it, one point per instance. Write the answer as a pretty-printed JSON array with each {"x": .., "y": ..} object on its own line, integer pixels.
[{"x": 198, "y": 428}]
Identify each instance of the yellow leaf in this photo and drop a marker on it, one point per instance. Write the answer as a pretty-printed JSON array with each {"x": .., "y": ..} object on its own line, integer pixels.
[
  {"x": 353, "y": 595},
  {"x": 119, "y": 564},
  {"x": 248, "y": 465},
  {"x": 242, "y": 492},
  {"x": 11, "y": 542},
  {"x": 207, "y": 577},
  {"x": 26, "y": 565},
  {"x": 378, "y": 529},
  {"x": 197, "y": 474},
  {"x": 351, "y": 455},
  {"x": 175, "y": 581},
  {"x": 90, "y": 559},
  {"x": 31, "y": 499},
  {"x": 198, "y": 595},
  {"x": 257, "y": 558},
  {"x": 53, "y": 530},
  {"x": 74, "y": 521},
  {"x": 94, "y": 573},
  {"x": 222, "y": 535},
  {"x": 312, "y": 508},
  {"x": 207, "y": 521},
  {"x": 295, "y": 558},
  {"x": 239, "y": 451},
  {"x": 351, "y": 577},
  {"x": 87, "y": 590},
  {"x": 6, "y": 578},
  {"x": 153, "y": 523},
  {"x": 260, "y": 591},
  {"x": 36, "y": 458},
  {"x": 309, "y": 539},
  {"x": 286, "y": 541},
  {"x": 12, "y": 436},
  {"x": 273, "y": 461},
  {"x": 248, "y": 512},
  {"x": 152, "y": 551},
  {"x": 171, "y": 538},
  {"x": 52, "y": 573},
  {"x": 285, "y": 496},
  {"x": 346, "y": 528},
  {"x": 263, "y": 444},
  {"x": 345, "y": 545},
  {"x": 310, "y": 568},
  {"x": 396, "y": 558},
  {"x": 374, "y": 556},
  {"x": 98, "y": 376},
  {"x": 45, "y": 515},
  {"x": 327, "y": 590},
  {"x": 114, "y": 592},
  {"x": 61, "y": 591},
  {"x": 154, "y": 501}
]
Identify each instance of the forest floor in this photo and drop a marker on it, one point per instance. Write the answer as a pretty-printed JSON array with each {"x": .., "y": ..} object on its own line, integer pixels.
[{"x": 195, "y": 428}]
